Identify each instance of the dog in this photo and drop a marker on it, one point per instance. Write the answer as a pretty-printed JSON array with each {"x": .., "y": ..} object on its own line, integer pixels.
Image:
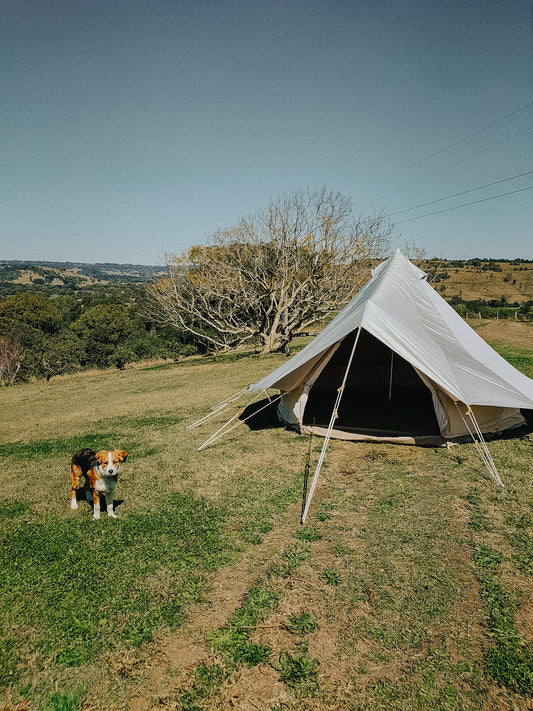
[{"x": 100, "y": 470}]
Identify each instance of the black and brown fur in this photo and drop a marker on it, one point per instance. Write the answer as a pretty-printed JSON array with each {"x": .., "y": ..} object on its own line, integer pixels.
[{"x": 100, "y": 470}]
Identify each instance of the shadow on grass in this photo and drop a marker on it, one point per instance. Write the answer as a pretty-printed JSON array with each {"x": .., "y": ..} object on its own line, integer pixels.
[{"x": 262, "y": 415}]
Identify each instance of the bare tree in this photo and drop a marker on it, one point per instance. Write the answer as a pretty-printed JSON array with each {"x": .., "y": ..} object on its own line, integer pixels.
[
  {"x": 273, "y": 274},
  {"x": 10, "y": 359}
]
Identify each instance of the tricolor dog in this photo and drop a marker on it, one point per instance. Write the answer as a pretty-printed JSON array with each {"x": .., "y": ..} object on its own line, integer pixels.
[{"x": 100, "y": 470}]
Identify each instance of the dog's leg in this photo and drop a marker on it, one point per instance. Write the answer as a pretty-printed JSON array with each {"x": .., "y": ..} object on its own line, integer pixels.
[
  {"x": 96, "y": 504},
  {"x": 109, "y": 504},
  {"x": 75, "y": 474},
  {"x": 91, "y": 492}
]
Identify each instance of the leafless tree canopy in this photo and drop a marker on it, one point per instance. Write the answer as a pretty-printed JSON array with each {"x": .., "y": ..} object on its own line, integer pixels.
[{"x": 273, "y": 274}]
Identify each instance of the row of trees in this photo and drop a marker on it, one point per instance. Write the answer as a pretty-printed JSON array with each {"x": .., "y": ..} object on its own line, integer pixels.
[
  {"x": 42, "y": 337},
  {"x": 274, "y": 274}
]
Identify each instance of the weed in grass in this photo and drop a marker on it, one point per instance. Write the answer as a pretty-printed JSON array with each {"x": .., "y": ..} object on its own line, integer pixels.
[
  {"x": 234, "y": 645},
  {"x": 304, "y": 623},
  {"x": 258, "y": 601},
  {"x": 330, "y": 576},
  {"x": 64, "y": 701},
  {"x": 233, "y": 641},
  {"x": 510, "y": 662},
  {"x": 207, "y": 677},
  {"x": 206, "y": 680},
  {"x": 73, "y": 656},
  {"x": 298, "y": 671},
  {"x": 323, "y": 513},
  {"x": 523, "y": 557},
  {"x": 478, "y": 521},
  {"x": 291, "y": 559},
  {"x": 308, "y": 533},
  {"x": 384, "y": 690}
]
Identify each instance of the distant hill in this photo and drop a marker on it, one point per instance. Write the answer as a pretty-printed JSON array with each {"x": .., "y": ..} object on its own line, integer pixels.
[
  {"x": 74, "y": 273},
  {"x": 486, "y": 280},
  {"x": 472, "y": 279}
]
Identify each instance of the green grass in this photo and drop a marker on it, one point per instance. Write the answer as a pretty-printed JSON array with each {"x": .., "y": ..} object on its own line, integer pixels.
[
  {"x": 510, "y": 661},
  {"x": 412, "y": 585},
  {"x": 233, "y": 642},
  {"x": 71, "y": 594},
  {"x": 520, "y": 358}
]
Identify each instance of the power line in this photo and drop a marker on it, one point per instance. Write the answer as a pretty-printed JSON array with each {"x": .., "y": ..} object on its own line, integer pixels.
[
  {"x": 457, "y": 162},
  {"x": 447, "y": 147},
  {"x": 464, "y": 192},
  {"x": 466, "y": 204}
]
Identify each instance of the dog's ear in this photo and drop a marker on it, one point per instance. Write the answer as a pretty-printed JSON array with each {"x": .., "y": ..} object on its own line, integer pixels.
[
  {"x": 101, "y": 456},
  {"x": 122, "y": 455}
]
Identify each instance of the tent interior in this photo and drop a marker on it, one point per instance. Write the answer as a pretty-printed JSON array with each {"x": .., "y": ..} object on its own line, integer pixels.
[{"x": 384, "y": 395}]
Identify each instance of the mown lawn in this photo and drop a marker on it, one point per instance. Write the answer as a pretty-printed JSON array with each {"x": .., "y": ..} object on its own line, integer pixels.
[{"x": 410, "y": 587}]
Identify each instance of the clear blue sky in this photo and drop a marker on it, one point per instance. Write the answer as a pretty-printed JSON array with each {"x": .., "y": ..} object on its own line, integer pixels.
[{"x": 132, "y": 128}]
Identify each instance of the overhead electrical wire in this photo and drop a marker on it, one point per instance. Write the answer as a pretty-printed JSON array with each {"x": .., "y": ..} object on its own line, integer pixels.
[
  {"x": 466, "y": 204},
  {"x": 463, "y": 192},
  {"x": 462, "y": 160},
  {"x": 447, "y": 147}
]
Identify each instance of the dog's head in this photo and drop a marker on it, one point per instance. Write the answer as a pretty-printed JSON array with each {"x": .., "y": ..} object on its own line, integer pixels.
[{"x": 109, "y": 462}]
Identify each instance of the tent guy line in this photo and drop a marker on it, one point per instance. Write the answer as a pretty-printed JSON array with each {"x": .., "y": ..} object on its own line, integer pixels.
[{"x": 446, "y": 148}]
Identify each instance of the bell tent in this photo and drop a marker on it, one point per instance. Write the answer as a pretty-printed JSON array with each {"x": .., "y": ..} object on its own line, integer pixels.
[{"x": 397, "y": 364}]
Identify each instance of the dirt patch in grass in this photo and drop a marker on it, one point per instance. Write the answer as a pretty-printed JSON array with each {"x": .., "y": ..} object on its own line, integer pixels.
[{"x": 177, "y": 654}]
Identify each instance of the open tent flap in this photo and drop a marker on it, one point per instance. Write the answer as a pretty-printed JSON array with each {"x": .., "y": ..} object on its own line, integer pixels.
[
  {"x": 383, "y": 394},
  {"x": 385, "y": 398}
]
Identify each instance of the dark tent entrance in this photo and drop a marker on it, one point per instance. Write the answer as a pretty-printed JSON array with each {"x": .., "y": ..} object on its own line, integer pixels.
[{"x": 384, "y": 396}]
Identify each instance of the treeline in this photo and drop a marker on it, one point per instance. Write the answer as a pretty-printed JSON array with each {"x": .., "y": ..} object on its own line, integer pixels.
[
  {"x": 489, "y": 308},
  {"x": 51, "y": 331},
  {"x": 102, "y": 271},
  {"x": 56, "y": 324}
]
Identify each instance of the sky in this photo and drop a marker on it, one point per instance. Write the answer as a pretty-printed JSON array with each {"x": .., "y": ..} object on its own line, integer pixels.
[{"x": 130, "y": 129}]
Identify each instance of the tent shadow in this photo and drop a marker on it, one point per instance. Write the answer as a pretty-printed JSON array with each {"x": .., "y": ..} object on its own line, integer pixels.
[{"x": 261, "y": 415}]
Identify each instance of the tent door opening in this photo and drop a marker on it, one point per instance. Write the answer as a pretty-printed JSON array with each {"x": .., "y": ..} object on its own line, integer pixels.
[{"x": 384, "y": 395}]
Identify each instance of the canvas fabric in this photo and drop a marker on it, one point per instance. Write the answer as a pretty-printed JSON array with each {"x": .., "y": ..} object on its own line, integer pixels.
[{"x": 399, "y": 308}]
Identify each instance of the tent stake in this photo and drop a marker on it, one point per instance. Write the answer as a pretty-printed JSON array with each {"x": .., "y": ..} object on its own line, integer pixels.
[
  {"x": 306, "y": 473},
  {"x": 334, "y": 416}
]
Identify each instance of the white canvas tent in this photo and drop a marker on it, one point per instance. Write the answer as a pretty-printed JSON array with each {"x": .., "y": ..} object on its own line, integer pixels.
[{"x": 398, "y": 364}]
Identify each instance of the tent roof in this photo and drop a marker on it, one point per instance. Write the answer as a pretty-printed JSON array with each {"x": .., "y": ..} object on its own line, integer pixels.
[{"x": 402, "y": 310}]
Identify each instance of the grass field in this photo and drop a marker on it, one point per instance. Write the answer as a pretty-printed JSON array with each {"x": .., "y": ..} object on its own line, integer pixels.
[{"x": 410, "y": 587}]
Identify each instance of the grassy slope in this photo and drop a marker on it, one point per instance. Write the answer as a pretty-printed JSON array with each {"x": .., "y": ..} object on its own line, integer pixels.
[
  {"x": 410, "y": 586},
  {"x": 474, "y": 283}
]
